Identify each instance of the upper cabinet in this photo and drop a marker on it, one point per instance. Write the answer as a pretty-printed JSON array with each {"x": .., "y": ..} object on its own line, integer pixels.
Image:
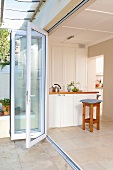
[
  {"x": 69, "y": 60},
  {"x": 57, "y": 65},
  {"x": 67, "y": 64},
  {"x": 81, "y": 67}
]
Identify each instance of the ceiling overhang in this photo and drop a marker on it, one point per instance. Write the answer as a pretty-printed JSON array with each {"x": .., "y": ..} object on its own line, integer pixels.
[{"x": 15, "y": 14}]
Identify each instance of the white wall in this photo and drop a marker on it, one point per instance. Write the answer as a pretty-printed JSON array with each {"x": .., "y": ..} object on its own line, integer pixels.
[
  {"x": 105, "y": 48},
  {"x": 4, "y": 82}
]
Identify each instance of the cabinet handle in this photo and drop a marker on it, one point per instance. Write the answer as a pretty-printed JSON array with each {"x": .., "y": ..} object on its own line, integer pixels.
[{"x": 59, "y": 95}]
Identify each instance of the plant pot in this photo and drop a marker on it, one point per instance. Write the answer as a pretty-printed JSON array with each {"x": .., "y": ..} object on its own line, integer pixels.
[
  {"x": 1, "y": 113},
  {"x": 6, "y": 110}
]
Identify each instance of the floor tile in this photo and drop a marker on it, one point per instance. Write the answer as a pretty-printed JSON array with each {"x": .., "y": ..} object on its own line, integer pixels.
[
  {"x": 61, "y": 163},
  {"x": 85, "y": 148},
  {"x": 93, "y": 166},
  {"x": 14, "y": 156},
  {"x": 108, "y": 164}
]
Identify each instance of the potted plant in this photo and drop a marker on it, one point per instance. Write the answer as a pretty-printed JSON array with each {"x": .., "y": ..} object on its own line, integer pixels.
[
  {"x": 1, "y": 112},
  {"x": 18, "y": 110},
  {"x": 70, "y": 86},
  {"x": 5, "y": 106}
]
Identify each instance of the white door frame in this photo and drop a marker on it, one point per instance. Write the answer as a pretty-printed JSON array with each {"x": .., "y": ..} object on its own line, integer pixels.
[{"x": 39, "y": 136}]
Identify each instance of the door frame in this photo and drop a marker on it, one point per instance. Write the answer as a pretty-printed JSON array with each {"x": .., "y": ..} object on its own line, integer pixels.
[{"x": 38, "y": 138}]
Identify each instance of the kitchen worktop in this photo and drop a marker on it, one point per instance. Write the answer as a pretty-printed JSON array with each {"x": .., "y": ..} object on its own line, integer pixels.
[{"x": 79, "y": 92}]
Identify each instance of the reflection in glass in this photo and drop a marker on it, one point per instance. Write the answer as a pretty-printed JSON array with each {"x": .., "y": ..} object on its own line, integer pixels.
[{"x": 20, "y": 84}]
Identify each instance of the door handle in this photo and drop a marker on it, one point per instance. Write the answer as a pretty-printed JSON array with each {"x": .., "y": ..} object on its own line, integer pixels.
[
  {"x": 27, "y": 97},
  {"x": 32, "y": 95}
]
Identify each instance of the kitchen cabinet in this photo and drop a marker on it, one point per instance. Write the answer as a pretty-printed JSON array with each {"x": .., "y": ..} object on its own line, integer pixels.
[
  {"x": 66, "y": 109},
  {"x": 78, "y": 108},
  {"x": 81, "y": 67},
  {"x": 55, "y": 110},
  {"x": 57, "y": 65},
  {"x": 69, "y": 59},
  {"x": 60, "y": 110},
  {"x": 67, "y": 64}
]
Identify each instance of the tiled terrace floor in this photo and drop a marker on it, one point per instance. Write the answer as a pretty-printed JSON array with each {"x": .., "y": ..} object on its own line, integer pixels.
[
  {"x": 14, "y": 156},
  {"x": 91, "y": 151}
]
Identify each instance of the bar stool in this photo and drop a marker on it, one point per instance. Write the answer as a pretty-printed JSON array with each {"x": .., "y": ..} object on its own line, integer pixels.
[{"x": 91, "y": 103}]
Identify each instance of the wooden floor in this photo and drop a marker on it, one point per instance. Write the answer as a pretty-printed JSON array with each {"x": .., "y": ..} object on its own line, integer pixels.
[{"x": 91, "y": 151}]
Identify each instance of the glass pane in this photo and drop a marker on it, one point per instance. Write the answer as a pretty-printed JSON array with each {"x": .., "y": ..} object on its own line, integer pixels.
[
  {"x": 37, "y": 82},
  {"x": 37, "y": 97},
  {"x": 20, "y": 83}
]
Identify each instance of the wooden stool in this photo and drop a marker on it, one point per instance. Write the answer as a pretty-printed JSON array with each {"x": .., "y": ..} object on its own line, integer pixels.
[{"x": 91, "y": 103}]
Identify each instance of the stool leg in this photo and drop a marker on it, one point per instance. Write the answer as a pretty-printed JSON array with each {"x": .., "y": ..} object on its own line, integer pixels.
[
  {"x": 83, "y": 117},
  {"x": 91, "y": 118},
  {"x": 98, "y": 116}
]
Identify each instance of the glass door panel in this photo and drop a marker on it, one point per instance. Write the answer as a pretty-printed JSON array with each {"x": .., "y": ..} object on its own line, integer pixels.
[
  {"x": 36, "y": 84},
  {"x": 18, "y": 84}
]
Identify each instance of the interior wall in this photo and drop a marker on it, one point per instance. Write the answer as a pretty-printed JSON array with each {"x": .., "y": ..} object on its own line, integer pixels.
[{"x": 105, "y": 48}]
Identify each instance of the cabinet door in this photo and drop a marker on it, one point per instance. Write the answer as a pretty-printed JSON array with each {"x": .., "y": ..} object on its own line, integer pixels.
[
  {"x": 69, "y": 65},
  {"x": 55, "y": 110},
  {"x": 67, "y": 110},
  {"x": 57, "y": 65},
  {"x": 81, "y": 68}
]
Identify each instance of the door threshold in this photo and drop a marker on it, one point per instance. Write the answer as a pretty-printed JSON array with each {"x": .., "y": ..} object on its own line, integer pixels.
[{"x": 64, "y": 155}]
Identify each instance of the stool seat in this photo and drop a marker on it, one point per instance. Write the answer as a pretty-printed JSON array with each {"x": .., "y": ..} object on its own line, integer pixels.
[{"x": 91, "y": 103}]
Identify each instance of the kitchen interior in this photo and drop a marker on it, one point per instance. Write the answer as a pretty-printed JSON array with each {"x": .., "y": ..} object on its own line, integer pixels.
[{"x": 74, "y": 59}]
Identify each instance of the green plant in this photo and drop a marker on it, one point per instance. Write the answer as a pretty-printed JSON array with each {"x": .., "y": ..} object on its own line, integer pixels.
[
  {"x": 3, "y": 64},
  {"x": 5, "y": 102},
  {"x": 75, "y": 89},
  {"x": 4, "y": 44},
  {"x": 4, "y": 48},
  {"x": 71, "y": 84}
]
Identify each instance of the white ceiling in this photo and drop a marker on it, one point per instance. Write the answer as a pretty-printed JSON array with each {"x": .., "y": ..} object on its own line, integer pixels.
[{"x": 92, "y": 25}]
